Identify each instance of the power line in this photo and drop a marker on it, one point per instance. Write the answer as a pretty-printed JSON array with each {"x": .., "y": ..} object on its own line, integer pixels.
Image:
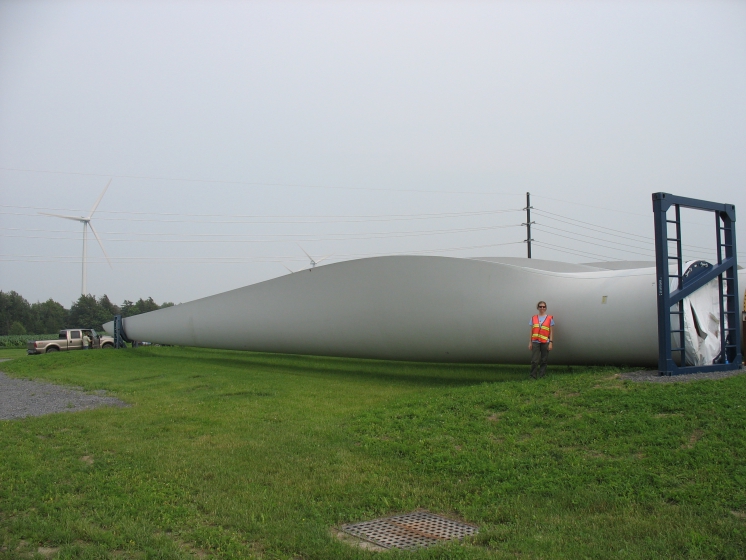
[
  {"x": 553, "y": 229},
  {"x": 604, "y": 240},
  {"x": 590, "y": 206},
  {"x": 262, "y": 216},
  {"x": 77, "y": 259},
  {"x": 282, "y": 219},
  {"x": 268, "y": 238},
  {"x": 615, "y": 232},
  {"x": 239, "y": 235},
  {"x": 693, "y": 222},
  {"x": 584, "y": 254},
  {"x": 252, "y": 184},
  {"x": 297, "y": 221},
  {"x": 596, "y": 244}
]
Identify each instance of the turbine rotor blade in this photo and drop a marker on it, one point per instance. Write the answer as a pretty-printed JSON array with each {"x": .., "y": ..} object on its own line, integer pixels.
[
  {"x": 288, "y": 269},
  {"x": 98, "y": 200},
  {"x": 100, "y": 244},
  {"x": 324, "y": 258},
  {"x": 66, "y": 217},
  {"x": 304, "y": 252}
]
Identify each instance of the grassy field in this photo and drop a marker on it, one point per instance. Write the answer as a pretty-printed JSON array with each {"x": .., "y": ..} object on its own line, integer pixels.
[
  {"x": 19, "y": 340},
  {"x": 239, "y": 455}
]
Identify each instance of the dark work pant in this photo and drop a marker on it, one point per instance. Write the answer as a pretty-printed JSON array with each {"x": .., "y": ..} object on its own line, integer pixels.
[{"x": 539, "y": 355}]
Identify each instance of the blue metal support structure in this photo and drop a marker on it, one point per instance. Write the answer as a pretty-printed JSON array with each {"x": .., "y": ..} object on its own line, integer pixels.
[
  {"x": 672, "y": 302},
  {"x": 120, "y": 337}
]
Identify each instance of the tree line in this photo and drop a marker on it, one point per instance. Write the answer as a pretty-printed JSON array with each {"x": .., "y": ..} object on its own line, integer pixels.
[{"x": 18, "y": 316}]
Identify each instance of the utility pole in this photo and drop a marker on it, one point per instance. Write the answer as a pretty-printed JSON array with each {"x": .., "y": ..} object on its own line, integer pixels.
[{"x": 528, "y": 223}]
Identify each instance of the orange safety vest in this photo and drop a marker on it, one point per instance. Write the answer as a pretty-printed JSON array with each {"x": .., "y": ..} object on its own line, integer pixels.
[{"x": 540, "y": 331}]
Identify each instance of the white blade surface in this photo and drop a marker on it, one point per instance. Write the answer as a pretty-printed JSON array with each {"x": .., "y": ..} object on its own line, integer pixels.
[
  {"x": 423, "y": 308},
  {"x": 98, "y": 200},
  {"x": 304, "y": 252},
  {"x": 101, "y": 245},
  {"x": 61, "y": 216}
]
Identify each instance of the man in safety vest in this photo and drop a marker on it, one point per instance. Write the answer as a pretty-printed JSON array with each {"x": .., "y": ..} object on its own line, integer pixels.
[{"x": 540, "y": 343}]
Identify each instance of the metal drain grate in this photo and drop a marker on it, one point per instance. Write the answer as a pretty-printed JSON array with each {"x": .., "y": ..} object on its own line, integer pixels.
[{"x": 411, "y": 530}]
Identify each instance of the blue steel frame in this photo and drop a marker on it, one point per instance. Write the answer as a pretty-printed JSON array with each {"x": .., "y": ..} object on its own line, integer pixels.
[
  {"x": 120, "y": 337},
  {"x": 725, "y": 271}
]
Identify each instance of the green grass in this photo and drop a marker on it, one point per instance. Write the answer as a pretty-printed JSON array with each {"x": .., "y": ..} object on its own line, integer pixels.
[
  {"x": 10, "y": 353},
  {"x": 240, "y": 455}
]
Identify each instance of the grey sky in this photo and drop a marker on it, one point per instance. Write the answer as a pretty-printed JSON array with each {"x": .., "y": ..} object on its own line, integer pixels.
[{"x": 369, "y": 109}]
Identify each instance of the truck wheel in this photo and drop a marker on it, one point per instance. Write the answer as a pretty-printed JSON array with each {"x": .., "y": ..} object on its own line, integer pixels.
[
  {"x": 52, "y": 349},
  {"x": 108, "y": 345}
]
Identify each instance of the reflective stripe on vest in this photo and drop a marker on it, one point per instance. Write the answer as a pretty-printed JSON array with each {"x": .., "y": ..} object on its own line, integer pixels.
[{"x": 540, "y": 331}]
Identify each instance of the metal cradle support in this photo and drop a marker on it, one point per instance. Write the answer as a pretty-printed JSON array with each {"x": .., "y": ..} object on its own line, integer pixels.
[
  {"x": 671, "y": 301},
  {"x": 120, "y": 337}
]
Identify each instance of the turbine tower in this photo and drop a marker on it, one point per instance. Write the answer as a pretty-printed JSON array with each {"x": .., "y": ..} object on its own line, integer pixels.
[{"x": 86, "y": 221}]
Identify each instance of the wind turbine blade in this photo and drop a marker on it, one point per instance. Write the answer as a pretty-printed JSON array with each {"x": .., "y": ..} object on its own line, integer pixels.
[
  {"x": 61, "y": 216},
  {"x": 304, "y": 251},
  {"x": 99, "y": 199},
  {"x": 100, "y": 244},
  {"x": 324, "y": 258},
  {"x": 288, "y": 269}
]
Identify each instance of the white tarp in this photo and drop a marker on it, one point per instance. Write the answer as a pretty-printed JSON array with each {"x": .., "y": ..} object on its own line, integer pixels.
[{"x": 701, "y": 323}]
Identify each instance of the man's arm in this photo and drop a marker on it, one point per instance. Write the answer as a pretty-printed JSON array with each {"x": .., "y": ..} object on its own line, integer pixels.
[{"x": 551, "y": 336}]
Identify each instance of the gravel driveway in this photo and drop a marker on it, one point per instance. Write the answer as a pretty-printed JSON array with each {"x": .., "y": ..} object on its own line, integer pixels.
[
  {"x": 20, "y": 398},
  {"x": 651, "y": 376}
]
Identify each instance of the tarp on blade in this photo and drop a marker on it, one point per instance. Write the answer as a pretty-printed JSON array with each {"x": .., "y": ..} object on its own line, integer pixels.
[{"x": 701, "y": 323}]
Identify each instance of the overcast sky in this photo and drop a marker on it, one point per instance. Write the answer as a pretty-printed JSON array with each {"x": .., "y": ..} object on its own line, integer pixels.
[{"x": 236, "y": 133}]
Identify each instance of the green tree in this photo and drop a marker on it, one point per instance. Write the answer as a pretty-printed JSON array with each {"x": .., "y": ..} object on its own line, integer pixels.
[
  {"x": 47, "y": 317},
  {"x": 108, "y": 306},
  {"x": 50, "y": 316},
  {"x": 146, "y": 305},
  {"x": 88, "y": 312},
  {"x": 128, "y": 308},
  {"x": 141, "y": 306},
  {"x": 13, "y": 308}
]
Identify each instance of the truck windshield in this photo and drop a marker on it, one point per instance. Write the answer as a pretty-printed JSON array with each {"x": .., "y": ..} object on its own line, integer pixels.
[{"x": 63, "y": 334}]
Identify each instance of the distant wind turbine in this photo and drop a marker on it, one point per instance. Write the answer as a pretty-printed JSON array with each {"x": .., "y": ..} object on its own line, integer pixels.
[
  {"x": 313, "y": 262},
  {"x": 86, "y": 221}
]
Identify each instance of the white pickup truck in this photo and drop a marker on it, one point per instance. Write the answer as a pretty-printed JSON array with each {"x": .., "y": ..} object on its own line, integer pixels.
[{"x": 69, "y": 339}]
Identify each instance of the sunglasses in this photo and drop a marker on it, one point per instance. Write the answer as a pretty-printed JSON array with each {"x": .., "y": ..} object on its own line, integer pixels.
[{"x": 542, "y": 307}]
